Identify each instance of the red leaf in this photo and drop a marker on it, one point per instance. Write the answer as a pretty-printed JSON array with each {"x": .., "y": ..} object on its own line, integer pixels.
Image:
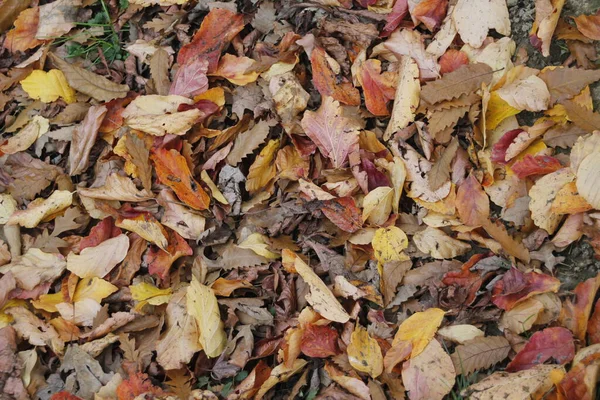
[
  {"x": 376, "y": 178},
  {"x": 469, "y": 281},
  {"x": 516, "y": 286},
  {"x": 173, "y": 171},
  {"x": 377, "y": 89},
  {"x": 104, "y": 230},
  {"x": 113, "y": 119},
  {"x": 64, "y": 396},
  {"x": 538, "y": 165},
  {"x": 593, "y": 327},
  {"x": 431, "y": 13},
  {"x": 135, "y": 385},
  {"x": 190, "y": 79},
  {"x": 344, "y": 213},
  {"x": 218, "y": 28},
  {"x": 580, "y": 382},
  {"x": 452, "y": 60},
  {"x": 319, "y": 341},
  {"x": 574, "y": 314},
  {"x": 394, "y": 18},
  {"x": 551, "y": 343},
  {"x": 499, "y": 149},
  {"x": 159, "y": 262},
  {"x": 326, "y": 81}
]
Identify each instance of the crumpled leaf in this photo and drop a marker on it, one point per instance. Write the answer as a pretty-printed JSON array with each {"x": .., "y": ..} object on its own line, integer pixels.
[
  {"x": 98, "y": 261},
  {"x": 27, "y": 136},
  {"x": 320, "y": 297},
  {"x": 364, "y": 353},
  {"x": 474, "y": 18},
  {"x": 409, "y": 43},
  {"x": 202, "y": 305},
  {"x": 547, "y": 14},
  {"x": 430, "y": 375},
  {"x": 48, "y": 86},
  {"x": 35, "y": 267},
  {"x": 89, "y": 83},
  {"x": 172, "y": 170},
  {"x": 40, "y": 208},
  {"x": 34, "y": 330},
  {"x": 335, "y": 134},
  {"x": 551, "y": 343},
  {"x": 160, "y": 261}
]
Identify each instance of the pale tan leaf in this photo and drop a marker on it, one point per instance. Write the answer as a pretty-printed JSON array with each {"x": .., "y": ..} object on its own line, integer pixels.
[
  {"x": 565, "y": 83},
  {"x": 410, "y": 43},
  {"x": 90, "y": 83},
  {"x": 187, "y": 223},
  {"x": 159, "y": 70},
  {"x": 460, "y": 333},
  {"x": 526, "y": 384},
  {"x": 57, "y": 18},
  {"x": 474, "y": 18},
  {"x": 35, "y": 267},
  {"x": 522, "y": 317},
  {"x": 320, "y": 297},
  {"x": 430, "y": 375},
  {"x": 587, "y": 179},
  {"x": 27, "y": 136},
  {"x": 436, "y": 243},
  {"x": 116, "y": 187},
  {"x": 34, "y": 330},
  {"x": 542, "y": 195},
  {"x": 249, "y": 141},
  {"x": 440, "y": 171},
  {"x": 84, "y": 138},
  {"x": 529, "y": 94},
  {"x": 99, "y": 260},
  {"x": 547, "y": 15},
  {"x": 480, "y": 353},
  {"x": 40, "y": 208},
  {"x": 406, "y": 100},
  {"x": 139, "y": 153}
]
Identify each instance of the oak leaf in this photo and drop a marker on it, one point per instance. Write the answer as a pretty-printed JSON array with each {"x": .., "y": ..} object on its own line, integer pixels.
[
  {"x": 565, "y": 83},
  {"x": 464, "y": 80}
]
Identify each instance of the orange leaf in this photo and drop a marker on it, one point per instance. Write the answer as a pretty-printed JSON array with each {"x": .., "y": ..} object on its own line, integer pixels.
[
  {"x": 378, "y": 88},
  {"x": 224, "y": 287},
  {"x": 430, "y": 13},
  {"x": 580, "y": 382},
  {"x": 574, "y": 314},
  {"x": 472, "y": 203},
  {"x": 64, "y": 396},
  {"x": 22, "y": 36},
  {"x": 589, "y": 25},
  {"x": 551, "y": 343},
  {"x": 452, "y": 60},
  {"x": 173, "y": 171},
  {"x": 569, "y": 201},
  {"x": 344, "y": 213},
  {"x": 593, "y": 327},
  {"x": 516, "y": 286},
  {"x": 319, "y": 341},
  {"x": 159, "y": 261},
  {"x": 326, "y": 81},
  {"x": 135, "y": 385},
  {"x": 465, "y": 279},
  {"x": 218, "y": 28}
]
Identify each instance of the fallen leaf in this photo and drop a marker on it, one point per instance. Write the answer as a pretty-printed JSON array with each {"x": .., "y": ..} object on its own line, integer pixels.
[
  {"x": 84, "y": 138},
  {"x": 364, "y": 353},
  {"x": 586, "y": 178},
  {"x": 535, "y": 165},
  {"x": 57, "y": 18},
  {"x": 460, "y": 334},
  {"x": 94, "y": 262},
  {"x": 116, "y": 187},
  {"x": 430, "y": 13},
  {"x": 430, "y": 375},
  {"x": 263, "y": 169},
  {"x": 406, "y": 43},
  {"x": 472, "y": 203},
  {"x": 27, "y": 136},
  {"x": 589, "y": 25},
  {"x": 319, "y": 341},
  {"x": 452, "y": 85},
  {"x": 89, "y": 83},
  {"x": 280, "y": 373},
  {"x": 40, "y": 208},
  {"x": 377, "y": 205},
  {"x": 202, "y": 305},
  {"x": 48, "y": 86},
  {"x": 565, "y": 83},
  {"x": 160, "y": 261},
  {"x": 327, "y": 83},
  {"x": 516, "y": 286},
  {"x": 22, "y": 36},
  {"x": 145, "y": 225},
  {"x": 473, "y": 19},
  {"x": 575, "y": 313},
  {"x": 335, "y": 134},
  {"x": 406, "y": 99},
  {"x": 35, "y": 267},
  {"x": 542, "y": 195},
  {"x": 320, "y": 297},
  {"x": 235, "y": 69},
  {"x": 551, "y": 343},
  {"x": 438, "y": 244},
  {"x": 529, "y": 94},
  {"x": 172, "y": 170}
]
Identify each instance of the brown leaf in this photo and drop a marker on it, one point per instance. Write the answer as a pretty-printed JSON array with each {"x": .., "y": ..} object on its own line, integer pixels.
[
  {"x": 440, "y": 171},
  {"x": 89, "y": 83},
  {"x": 159, "y": 70},
  {"x": 472, "y": 203},
  {"x": 84, "y": 138},
  {"x": 589, "y": 25},
  {"x": 464, "y": 80},
  {"x": 565, "y": 83},
  {"x": 326, "y": 81},
  {"x": 344, "y": 213},
  {"x": 480, "y": 353},
  {"x": 22, "y": 36},
  {"x": 584, "y": 118},
  {"x": 139, "y": 153}
]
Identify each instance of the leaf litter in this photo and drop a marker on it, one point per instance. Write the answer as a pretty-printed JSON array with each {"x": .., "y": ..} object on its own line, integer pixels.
[{"x": 275, "y": 199}]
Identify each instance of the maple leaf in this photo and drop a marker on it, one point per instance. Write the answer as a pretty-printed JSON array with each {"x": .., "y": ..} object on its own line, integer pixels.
[{"x": 335, "y": 135}]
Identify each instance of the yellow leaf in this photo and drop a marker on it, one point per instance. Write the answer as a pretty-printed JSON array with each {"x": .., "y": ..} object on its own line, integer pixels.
[
  {"x": 397, "y": 171},
  {"x": 48, "y": 86},
  {"x": 263, "y": 169},
  {"x": 216, "y": 193},
  {"x": 280, "y": 373},
  {"x": 40, "y": 208},
  {"x": 37, "y": 127},
  {"x": 389, "y": 243},
  {"x": 93, "y": 288},
  {"x": 202, "y": 305},
  {"x": 406, "y": 100},
  {"x": 146, "y": 292},
  {"x": 320, "y": 297},
  {"x": 48, "y": 302},
  {"x": 419, "y": 329},
  {"x": 497, "y": 111},
  {"x": 258, "y": 244},
  {"x": 364, "y": 353},
  {"x": 377, "y": 205},
  {"x": 216, "y": 95},
  {"x": 147, "y": 227}
]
